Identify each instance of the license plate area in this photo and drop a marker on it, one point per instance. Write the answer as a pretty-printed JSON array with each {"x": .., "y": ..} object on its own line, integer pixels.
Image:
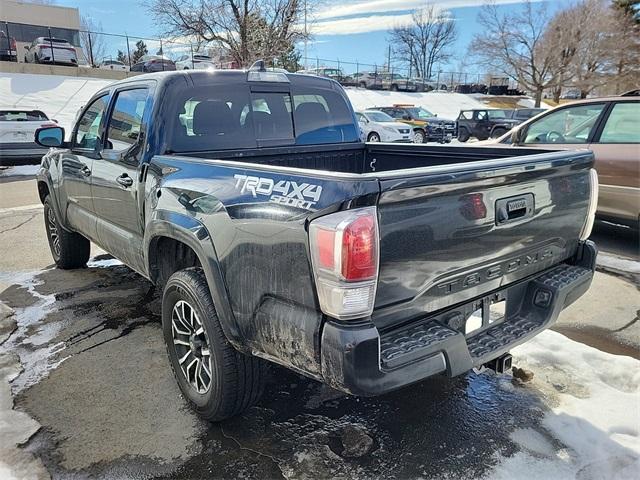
[{"x": 487, "y": 312}]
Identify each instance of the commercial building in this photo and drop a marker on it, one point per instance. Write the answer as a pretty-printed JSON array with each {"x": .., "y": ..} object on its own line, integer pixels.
[{"x": 25, "y": 22}]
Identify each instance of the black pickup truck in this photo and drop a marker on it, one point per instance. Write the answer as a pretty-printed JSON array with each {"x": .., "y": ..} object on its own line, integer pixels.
[{"x": 277, "y": 235}]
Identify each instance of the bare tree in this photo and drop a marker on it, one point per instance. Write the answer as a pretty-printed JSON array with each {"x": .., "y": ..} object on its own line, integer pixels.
[
  {"x": 247, "y": 29},
  {"x": 521, "y": 46},
  {"x": 426, "y": 41},
  {"x": 92, "y": 41}
]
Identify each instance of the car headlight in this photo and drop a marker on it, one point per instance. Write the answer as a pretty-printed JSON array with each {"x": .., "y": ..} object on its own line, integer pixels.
[{"x": 389, "y": 129}]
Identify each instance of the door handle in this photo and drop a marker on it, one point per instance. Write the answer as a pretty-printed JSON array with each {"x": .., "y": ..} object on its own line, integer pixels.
[
  {"x": 86, "y": 171},
  {"x": 125, "y": 180}
]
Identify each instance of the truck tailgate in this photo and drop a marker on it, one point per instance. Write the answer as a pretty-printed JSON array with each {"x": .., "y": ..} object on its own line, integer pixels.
[{"x": 451, "y": 234}]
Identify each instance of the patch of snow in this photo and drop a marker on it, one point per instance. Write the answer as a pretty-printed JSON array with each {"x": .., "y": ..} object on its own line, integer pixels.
[
  {"x": 20, "y": 171},
  {"x": 108, "y": 262},
  {"x": 16, "y": 428},
  {"x": 31, "y": 338},
  {"x": 618, "y": 264},
  {"x": 445, "y": 105},
  {"x": 598, "y": 422}
]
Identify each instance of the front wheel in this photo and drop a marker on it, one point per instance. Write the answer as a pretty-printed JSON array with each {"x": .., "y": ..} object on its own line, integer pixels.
[
  {"x": 373, "y": 137},
  {"x": 69, "y": 249},
  {"x": 394, "y": 88},
  {"x": 463, "y": 135},
  {"x": 418, "y": 136},
  {"x": 218, "y": 381}
]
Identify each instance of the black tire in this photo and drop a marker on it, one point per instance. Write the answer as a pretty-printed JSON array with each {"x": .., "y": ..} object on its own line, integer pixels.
[
  {"x": 237, "y": 380},
  {"x": 419, "y": 136},
  {"x": 498, "y": 132},
  {"x": 463, "y": 135},
  {"x": 69, "y": 249},
  {"x": 362, "y": 84},
  {"x": 373, "y": 137},
  {"x": 394, "y": 88}
]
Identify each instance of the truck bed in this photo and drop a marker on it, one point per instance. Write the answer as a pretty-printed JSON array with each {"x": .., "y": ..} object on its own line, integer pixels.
[{"x": 359, "y": 159}]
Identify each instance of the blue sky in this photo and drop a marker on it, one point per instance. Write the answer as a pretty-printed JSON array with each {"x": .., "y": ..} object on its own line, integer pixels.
[{"x": 352, "y": 30}]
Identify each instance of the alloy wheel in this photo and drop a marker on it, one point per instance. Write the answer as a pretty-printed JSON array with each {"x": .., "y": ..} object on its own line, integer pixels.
[
  {"x": 192, "y": 346},
  {"x": 53, "y": 232}
]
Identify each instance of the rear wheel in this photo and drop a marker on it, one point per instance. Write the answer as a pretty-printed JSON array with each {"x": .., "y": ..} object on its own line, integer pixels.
[
  {"x": 373, "y": 137},
  {"x": 498, "y": 132},
  {"x": 418, "y": 136},
  {"x": 218, "y": 381},
  {"x": 362, "y": 84},
  {"x": 69, "y": 249},
  {"x": 394, "y": 88},
  {"x": 463, "y": 135}
]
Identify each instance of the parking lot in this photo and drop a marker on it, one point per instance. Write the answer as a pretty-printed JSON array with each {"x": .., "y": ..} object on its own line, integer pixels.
[{"x": 95, "y": 380}]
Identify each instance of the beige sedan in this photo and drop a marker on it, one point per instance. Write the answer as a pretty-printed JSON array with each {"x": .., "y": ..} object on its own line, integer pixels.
[{"x": 610, "y": 127}]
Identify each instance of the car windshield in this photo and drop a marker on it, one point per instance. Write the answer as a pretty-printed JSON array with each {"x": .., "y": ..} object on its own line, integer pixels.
[
  {"x": 497, "y": 114},
  {"x": 22, "y": 116},
  {"x": 419, "y": 112},
  {"x": 379, "y": 117}
]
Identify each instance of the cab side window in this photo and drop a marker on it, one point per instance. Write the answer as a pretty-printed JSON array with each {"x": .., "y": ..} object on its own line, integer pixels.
[
  {"x": 623, "y": 124},
  {"x": 126, "y": 120},
  {"x": 88, "y": 129},
  {"x": 482, "y": 115}
]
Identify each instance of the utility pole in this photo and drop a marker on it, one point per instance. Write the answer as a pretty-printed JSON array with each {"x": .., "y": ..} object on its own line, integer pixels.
[
  {"x": 389, "y": 58},
  {"x": 306, "y": 36}
]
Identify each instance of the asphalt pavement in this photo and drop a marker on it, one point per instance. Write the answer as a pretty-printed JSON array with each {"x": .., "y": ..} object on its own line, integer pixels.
[{"x": 96, "y": 378}]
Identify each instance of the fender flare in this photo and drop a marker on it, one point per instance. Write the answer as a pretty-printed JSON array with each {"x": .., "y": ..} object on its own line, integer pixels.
[{"x": 194, "y": 234}]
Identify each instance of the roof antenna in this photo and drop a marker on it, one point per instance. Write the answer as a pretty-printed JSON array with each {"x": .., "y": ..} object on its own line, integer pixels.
[{"x": 258, "y": 66}]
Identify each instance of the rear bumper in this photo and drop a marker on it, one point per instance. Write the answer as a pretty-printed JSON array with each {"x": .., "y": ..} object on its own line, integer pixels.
[
  {"x": 9, "y": 152},
  {"x": 362, "y": 361}
]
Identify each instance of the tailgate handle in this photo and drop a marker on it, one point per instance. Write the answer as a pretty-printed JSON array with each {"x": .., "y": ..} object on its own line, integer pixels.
[{"x": 514, "y": 208}]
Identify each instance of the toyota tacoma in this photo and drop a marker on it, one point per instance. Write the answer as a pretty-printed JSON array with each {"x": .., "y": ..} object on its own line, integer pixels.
[{"x": 277, "y": 235}]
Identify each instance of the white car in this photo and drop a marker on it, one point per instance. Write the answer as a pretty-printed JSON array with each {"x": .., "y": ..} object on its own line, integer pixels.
[
  {"x": 199, "y": 62},
  {"x": 51, "y": 50},
  {"x": 17, "y": 131},
  {"x": 377, "y": 126},
  {"x": 114, "y": 65}
]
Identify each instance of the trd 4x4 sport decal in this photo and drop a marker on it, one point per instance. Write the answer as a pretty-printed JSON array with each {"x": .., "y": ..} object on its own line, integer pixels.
[{"x": 303, "y": 195}]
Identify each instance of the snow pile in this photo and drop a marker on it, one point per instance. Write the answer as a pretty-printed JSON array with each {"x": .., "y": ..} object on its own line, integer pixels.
[
  {"x": 445, "y": 105},
  {"x": 593, "y": 429},
  {"x": 58, "y": 96},
  {"x": 61, "y": 97},
  {"x": 20, "y": 171}
]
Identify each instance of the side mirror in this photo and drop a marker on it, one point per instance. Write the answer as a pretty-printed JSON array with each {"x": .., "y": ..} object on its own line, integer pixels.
[
  {"x": 50, "y": 137},
  {"x": 26, "y": 47}
]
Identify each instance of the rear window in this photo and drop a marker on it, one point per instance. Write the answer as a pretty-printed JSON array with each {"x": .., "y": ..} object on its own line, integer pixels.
[
  {"x": 22, "y": 116},
  {"x": 228, "y": 117}
]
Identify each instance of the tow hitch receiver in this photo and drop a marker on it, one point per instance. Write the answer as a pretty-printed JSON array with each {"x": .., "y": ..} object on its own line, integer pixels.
[{"x": 501, "y": 364}]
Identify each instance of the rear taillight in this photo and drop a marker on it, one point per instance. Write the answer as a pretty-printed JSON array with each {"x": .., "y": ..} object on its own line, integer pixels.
[
  {"x": 344, "y": 255},
  {"x": 13, "y": 44},
  {"x": 593, "y": 205}
]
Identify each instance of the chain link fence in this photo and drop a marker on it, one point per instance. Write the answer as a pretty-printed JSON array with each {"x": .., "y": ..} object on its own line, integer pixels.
[{"x": 37, "y": 44}]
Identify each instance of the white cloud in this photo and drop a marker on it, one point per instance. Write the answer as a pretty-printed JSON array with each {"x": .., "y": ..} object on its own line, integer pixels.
[{"x": 332, "y": 21}]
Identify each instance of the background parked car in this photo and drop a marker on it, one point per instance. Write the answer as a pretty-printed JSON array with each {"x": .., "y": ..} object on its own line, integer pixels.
[
  {"x": 523, "y": 114},
  {"x": 484, "y": 123},
  {"x": 17, "y": 130},
  {"x": 153, "y": 63},
  {"x": 427, "y": 127},
  {"x": 198, "y": 62},
  {"x": 8, "y": 49},
  {"x": 377, "y": 126},
  {"x": 333, "y": 73},
  {"x": 116, "y": 65},
  {"x": 609, "y": 127},
  {"x": 51, "y": 50},
  {"x": 370, "y": 80},
  {"x": 396, "y": 82}
]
